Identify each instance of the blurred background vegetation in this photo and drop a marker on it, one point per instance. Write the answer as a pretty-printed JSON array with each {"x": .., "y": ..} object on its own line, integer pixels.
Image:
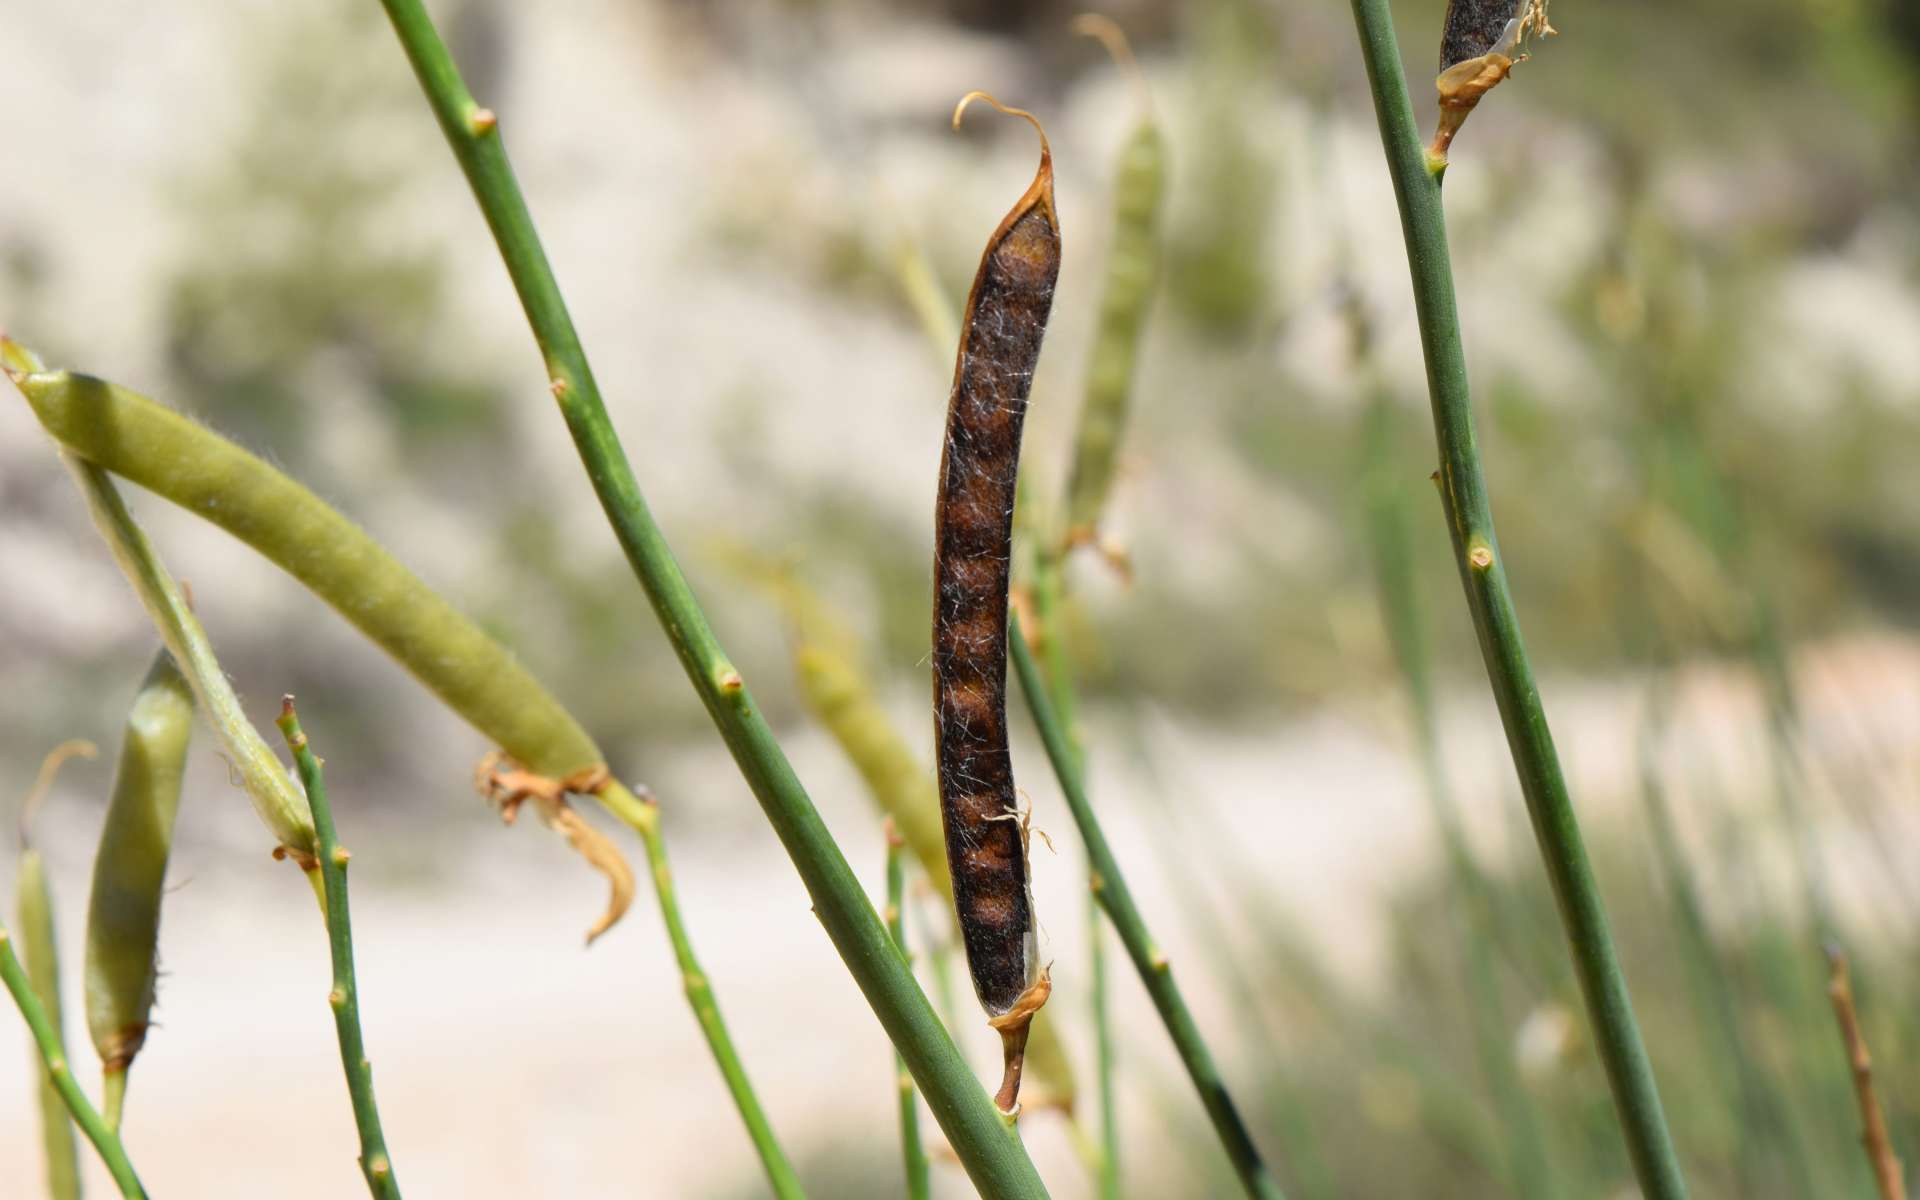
[{"x": 1688, "y": 248}]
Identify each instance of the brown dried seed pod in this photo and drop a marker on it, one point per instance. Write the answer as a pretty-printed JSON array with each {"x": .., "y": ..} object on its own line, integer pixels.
[
  {"x": 1472, "y": 27},
  {"x": 1005, "y": 320}
]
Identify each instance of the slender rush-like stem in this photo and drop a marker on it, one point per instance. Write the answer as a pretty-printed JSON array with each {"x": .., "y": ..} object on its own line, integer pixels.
[
  {"x": 642, "y": 814},
  {"x": 997, "y": 1164},
  {"x": 1483, "y": 574},
  {"x": 40, "y": 1024},
  {"x": 912, "y": 1152},
  {"x": 344, "y": 999},
  {"x": 1155, "y": 972}
]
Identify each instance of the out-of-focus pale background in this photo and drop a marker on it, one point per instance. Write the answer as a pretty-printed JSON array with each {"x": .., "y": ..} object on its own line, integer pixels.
[{"x": 1688, "y": 250}]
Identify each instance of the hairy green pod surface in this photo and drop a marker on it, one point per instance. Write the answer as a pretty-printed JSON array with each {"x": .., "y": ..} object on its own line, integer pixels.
[
  {"x": 130, "y": 868},
  {"x": 1139, "y": 190},
  {"x": 161, "y": 450},
  {"x": 42, "y": 955}
]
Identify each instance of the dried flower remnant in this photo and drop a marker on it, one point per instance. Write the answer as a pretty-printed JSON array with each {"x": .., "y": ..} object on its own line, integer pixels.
[
  {"x": 508, "y": 785},
  {"x": 1005, "y": 321},
  {"x": 1480, "y": 43}
]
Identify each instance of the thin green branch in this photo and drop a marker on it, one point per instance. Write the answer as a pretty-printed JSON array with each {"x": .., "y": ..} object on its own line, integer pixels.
[
  {"x": 642, "y": 814},
  {"x": 1483, "y": 574},
  {"x": 1110, "y": 887},
  {"x": 912, "y": 1152},
  {"x": 375, "y": 1163},
  {"x": 47, "y": 1039},
  {"x": 997, "y": 1164}
]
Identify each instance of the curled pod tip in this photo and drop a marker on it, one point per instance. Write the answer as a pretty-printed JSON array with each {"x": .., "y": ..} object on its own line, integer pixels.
[{"x": 1040, "y": 192}]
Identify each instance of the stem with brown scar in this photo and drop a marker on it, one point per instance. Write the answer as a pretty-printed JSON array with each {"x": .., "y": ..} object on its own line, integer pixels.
[
  {"x": 344, "y": 999},
  {"x": 1110, "y": 888},
  {"x": 1887, "y": 1175}
]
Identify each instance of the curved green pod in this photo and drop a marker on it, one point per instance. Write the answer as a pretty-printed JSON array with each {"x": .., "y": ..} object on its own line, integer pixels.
[
  {"x": 130, "y": 869},
  {"x": 163, "y": 451},
  {"x": 1132, "y": 265},
  {"x": 43, "y": 968}
]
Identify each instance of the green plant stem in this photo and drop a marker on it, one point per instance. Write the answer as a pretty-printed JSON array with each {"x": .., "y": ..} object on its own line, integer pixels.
[
  {"x": 344, "y": 999},
  {"x": 1110, "y": 887},
  {"x": 47, "y": 1039},
  {"x": 997, "y": 1164},
  {"x": 113, "y": 1097},
  {"x": 642, "y": 814},
  {"x": 913, "y": 1154},
  {"x": 1483, "y": 575},
  {"x": 1048, "y": 573}
]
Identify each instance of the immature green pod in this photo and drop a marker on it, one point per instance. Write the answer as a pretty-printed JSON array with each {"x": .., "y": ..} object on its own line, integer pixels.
[
  {"x": 42, "y": 957},
  {"x": 103, "y": 426},
  {"x": 1139, "y": 191},
  {"x": 130, "y": 868},
  {"x": 40, "y": 949},
  {"x": 164, "y": 452}
]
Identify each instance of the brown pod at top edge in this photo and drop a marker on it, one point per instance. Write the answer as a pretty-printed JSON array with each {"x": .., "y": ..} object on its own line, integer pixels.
[
  {"x": 1005, "y": 321},
  {"x": 1473, "y": 27}
]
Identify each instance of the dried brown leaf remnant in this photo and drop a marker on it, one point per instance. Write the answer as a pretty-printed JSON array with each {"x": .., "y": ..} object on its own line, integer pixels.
[
  {"x": 508, "y": 785},
  {"x": 1886, "y": 1165}
]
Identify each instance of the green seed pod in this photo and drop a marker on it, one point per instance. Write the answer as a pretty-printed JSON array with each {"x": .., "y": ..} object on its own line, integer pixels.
[
  {"x": 43, "y": 968},
  {"x": 129, "y": 871},
  {"x": 40, "y": 949},
  {"x": 1139, "y": 190},
  {"x": 164, "y": 452}
]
